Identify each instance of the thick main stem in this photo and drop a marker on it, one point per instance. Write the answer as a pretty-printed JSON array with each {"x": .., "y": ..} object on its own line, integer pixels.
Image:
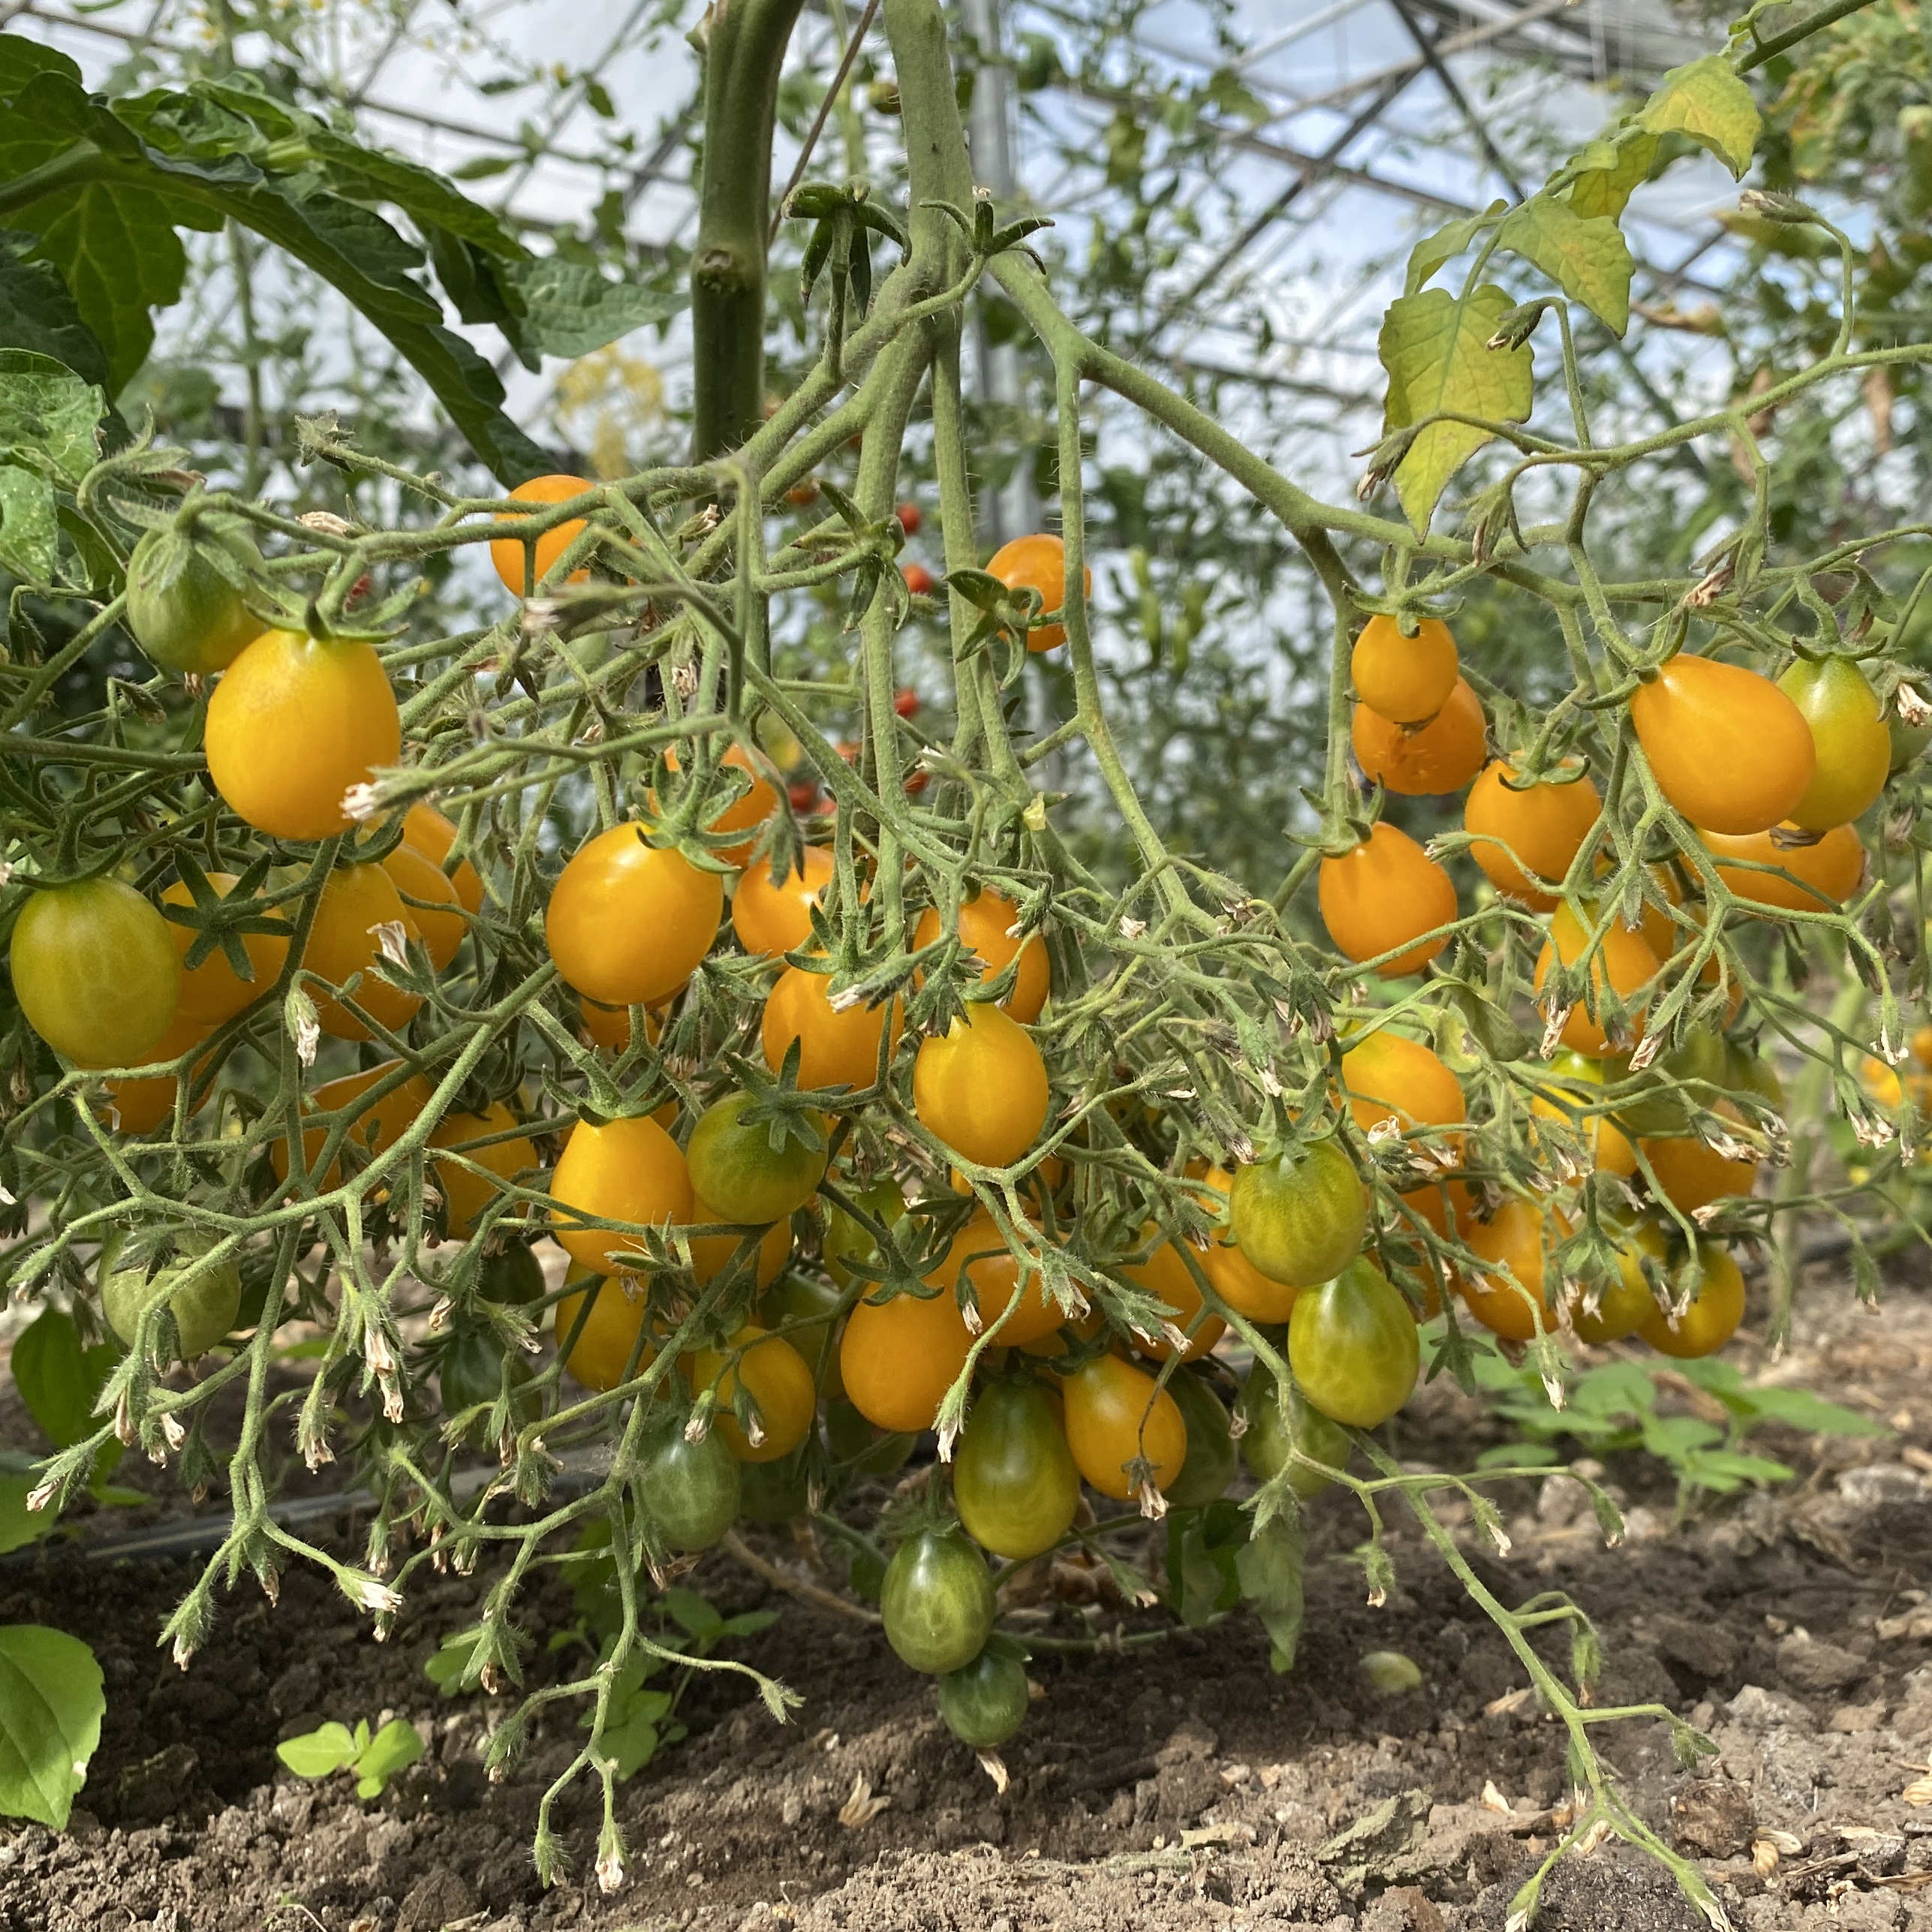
[{"x": 743, "y": 56}]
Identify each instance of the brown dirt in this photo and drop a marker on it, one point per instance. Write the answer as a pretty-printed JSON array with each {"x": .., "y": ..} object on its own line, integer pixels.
[{"x": 1182, "y": 1785}]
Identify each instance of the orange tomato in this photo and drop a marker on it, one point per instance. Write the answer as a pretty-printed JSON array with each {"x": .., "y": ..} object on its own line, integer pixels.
[
  {"x": 983, "y": 1088},
  {"x": 465, "y": 1192},
  {"x": 897, "y": 1358},
  {"x": 835, "y": 1049},
  {"x": 1624, "y": 961},
  {"x": 433, "y": 835},
  {"x": 1166, "y": 1275},
  {"x": 357, "y": 904},
  {"x": 626, "y": 1170},
  {"x": 214, "y": 991},
  {"x": 373, "y": 1128},
  {"x": 292, "y": 725},
  {"x": 1717, "y": 1306},
  {"x": 1538, "y": 830},
  {"x": 1512, "y": 1244},
  {"x": 430, "y": 896},
  {"x": 1389, "y": 1077},
  {"x": 774, "y": 919},
  {"x": 743, "y": 814},
  {"x": 776, "y": 1377},
  {"x": 141, "y": 1103},
  {"x": 712, "y": 1254},
  {"x": 602, "y": 1349},
  {"x": 1406, "y": 679},
  {"x": 1824, "y": 875},
  {"x": 1442, "y": 754},
  {"x": 1921, "y": 1045},
  {"x": 513, "y": 557},
  {"x": 1726, "y": 747},
  {"x": 985, "y": 920},
  {"x": 1609, "y": 1146},
  {"x": 629, "y": 923},
  {"x": 1382, "y": 898},
  {"x": 1038, "y": 563},
  {"x": 1115, "y": 1417},
  {"x": 1691, "y": 1176},
  {"x": 992, "y": 1271},
  {"x": 1236, "y": 1279}
]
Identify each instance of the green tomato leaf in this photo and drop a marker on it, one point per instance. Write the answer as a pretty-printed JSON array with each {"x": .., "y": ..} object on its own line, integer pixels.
[
  {"x": 1603, "y": 176},
  {"x": 1445, "y": 244},
  {"x": 1707, "y": 101},
  {"x": 58, "y": 1379},
  {"x": 448, "y": 1668},
  {"x": 1269, "y": 1567},
  {"x": 570, "y": 309},
  {"x": 19, "y": 1525},
  {"x": 1587, "y": 257},
  {"x": 692, "y": 1613},
  {"x": 29, "y": 526},
  {"x": 38, "y": 313},
  {"x": 51, "y": 1704},
  {"x": 1435, "y": 346}
]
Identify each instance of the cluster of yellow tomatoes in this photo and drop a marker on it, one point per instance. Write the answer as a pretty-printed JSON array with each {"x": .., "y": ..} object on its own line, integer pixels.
[{"x": 1772, "y": 774}]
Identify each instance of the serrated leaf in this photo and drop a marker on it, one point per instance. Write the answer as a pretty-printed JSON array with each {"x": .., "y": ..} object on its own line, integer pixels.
[
  {"x": 570, "y": 309},
  {"x": 1445, "y": 244},
  {"x": 318, "y": 1753},
  {"x": 51, "y": 1705},
  {"x": 1706, "y": 100},
  {"x": 1606, "y": 173},
  {"x": 1586, "y": 257},
  {"x": 1433, "y": 344},
  {"x": 38, "y": 315}
]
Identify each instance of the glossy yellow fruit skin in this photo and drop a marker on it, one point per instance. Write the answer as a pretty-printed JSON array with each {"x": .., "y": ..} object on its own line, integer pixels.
[
  {"x": 835, "y": 1049},
  {"x": 1166, "y": 1275},
  {"x": 777, "y": 1380},
  {"x": 1726, "y": 747},
  {"x": 1406, "y": 679},
  {"x": 141, "y": 1103},
  {"x": 982, "y": 1089},
  {"x": 512, "y": 557},
  {"x": 1535, "y": 831},
  {"x": 95, "y": 972},
  {"x": 625, "y": 1170},
  {"x": 1382, "y": 898},
  {"x": 1624, "y": 961},
  {"x": 775, "y": 919},
  {"x": 1236, "y": 1279},
  {"x": 1716, "y": 1309},
  {"x": 429, "y": 895},
  {"x": 344, "y": 941},
  {"x": 1822, "y": 876},
  {"x": 1853, "y": 745},
  {"x": 214, "y": 991},
  {"x": 984, "y": 928},
  {"x": 292, "y": 724},
  {"x": 435, "y": 836},
  {"x": 1625, "y": 1303},
  {"x": 1610, "y": 1146},
  {"x": 466, "y": 1193},
  {"x": 628, "y": 923},
  {"x": 1115, "y": 1414},
  {"x": 601, "y": 1351}
]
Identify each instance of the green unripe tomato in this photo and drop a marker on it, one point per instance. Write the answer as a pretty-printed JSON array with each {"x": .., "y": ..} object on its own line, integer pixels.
[
  {"x": 1907, "y": 741},
  {"x": 1272, "y": 1439},
  {"x": 1700, "y": 1064},
  {"x": 204, "y": 1300},
  {"x": 691, "y": 1491},
  {"x": 513, "y": 1278},
  {"x": 183, "y": 611},
  {"x": 1352, "y": 1346},
  {"x": 736, "y": 1169},
  {"x": 937, "y": 1602},
  {"x": 985, "y": 1702},
  {"x": 1210, "y": 1464},
  {"x": 1300, "y": 1218},
  {"x": 847, "y": 1240},
  {"x": 470, "y": 1375},
  {"x": 1013, "y": 1476}
]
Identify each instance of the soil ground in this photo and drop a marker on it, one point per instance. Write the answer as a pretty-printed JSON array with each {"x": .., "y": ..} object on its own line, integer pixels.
[{"x": 1182, "y": 1784}]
